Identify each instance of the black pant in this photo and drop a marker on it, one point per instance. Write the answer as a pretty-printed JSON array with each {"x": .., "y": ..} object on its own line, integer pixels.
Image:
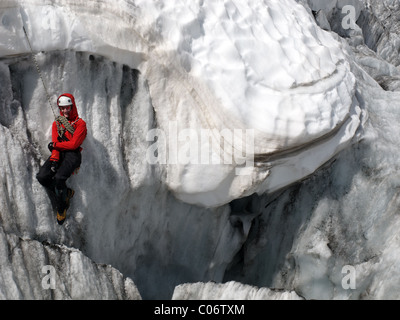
[{"x": 55, "y": 182}]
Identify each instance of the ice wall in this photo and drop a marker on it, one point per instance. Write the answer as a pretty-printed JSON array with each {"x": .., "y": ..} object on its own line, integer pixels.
[
  {"x": 381, "y": 26},
  {"x": 31, "y": 270},
  {"x": 122, "y": 213}
]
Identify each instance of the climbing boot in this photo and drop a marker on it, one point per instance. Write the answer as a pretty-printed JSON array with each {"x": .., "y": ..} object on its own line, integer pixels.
[{"x": 65, "y": 197}]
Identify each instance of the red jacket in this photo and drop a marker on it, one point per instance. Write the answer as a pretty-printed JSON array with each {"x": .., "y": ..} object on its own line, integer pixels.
[{"x": 76, "y": 139}]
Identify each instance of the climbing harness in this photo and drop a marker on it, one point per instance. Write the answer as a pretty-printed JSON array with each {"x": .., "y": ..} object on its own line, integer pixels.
[{"x": 59, "y": 119}]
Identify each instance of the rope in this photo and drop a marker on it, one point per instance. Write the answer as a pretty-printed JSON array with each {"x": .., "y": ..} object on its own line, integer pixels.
[
  {"x": 66, "y": 124},
  {"x": 40, "y": 74},
  {"x": 59, "y": 119}
]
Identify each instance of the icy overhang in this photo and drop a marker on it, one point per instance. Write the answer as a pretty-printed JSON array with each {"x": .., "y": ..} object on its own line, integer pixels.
[{"x": 262, "y": 72}]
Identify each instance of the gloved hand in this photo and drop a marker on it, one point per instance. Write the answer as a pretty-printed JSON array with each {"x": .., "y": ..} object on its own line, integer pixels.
[
  {"x": 54, "y": 166},
  {"x": 50, "y": 146}
]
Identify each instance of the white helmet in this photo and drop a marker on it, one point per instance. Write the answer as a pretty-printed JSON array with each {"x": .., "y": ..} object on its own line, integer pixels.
[{"x": 64, "y": 101}]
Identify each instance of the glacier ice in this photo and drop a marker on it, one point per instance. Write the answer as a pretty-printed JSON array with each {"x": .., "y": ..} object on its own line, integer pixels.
[
  {"x": 178, "y": 49},
  {"x": 314, "y": 100},
  {"x": 26, "y": 273},
  {"x": 346, "y": 214}
]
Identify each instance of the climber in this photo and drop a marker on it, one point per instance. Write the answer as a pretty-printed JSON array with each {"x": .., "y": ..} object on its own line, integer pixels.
[{"x": 65, "y": 157}]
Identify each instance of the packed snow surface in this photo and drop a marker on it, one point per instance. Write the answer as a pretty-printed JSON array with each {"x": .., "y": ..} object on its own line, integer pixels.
[{"x": 229, "y": 291}]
